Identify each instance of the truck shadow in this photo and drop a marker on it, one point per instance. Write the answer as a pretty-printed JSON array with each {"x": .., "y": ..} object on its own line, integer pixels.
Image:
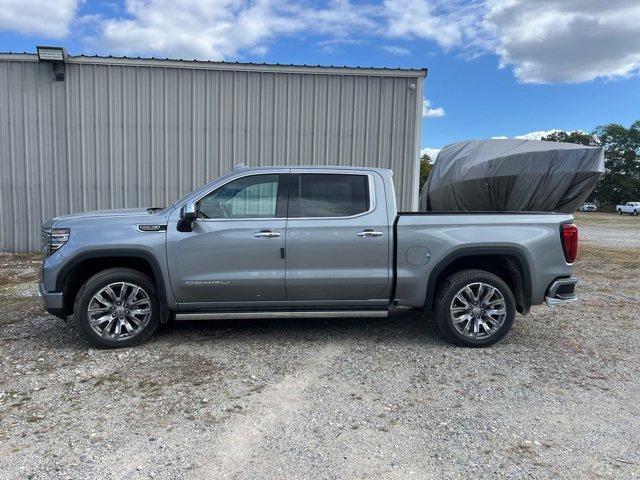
[{"x": 409, "y": 326}]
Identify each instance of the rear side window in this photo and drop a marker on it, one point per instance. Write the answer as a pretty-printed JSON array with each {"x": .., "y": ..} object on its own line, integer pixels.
[{"x": 328, "y": 195}]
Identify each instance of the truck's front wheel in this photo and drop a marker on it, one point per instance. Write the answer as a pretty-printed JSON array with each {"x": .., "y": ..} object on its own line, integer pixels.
[
  {"x": 117, "y": 308},
  {"x": 474, "y": 308}
]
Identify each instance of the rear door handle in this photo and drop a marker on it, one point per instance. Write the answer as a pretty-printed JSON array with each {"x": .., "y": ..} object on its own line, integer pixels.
[
  {"x": 369, "y": 233},
  {"x": 266, "y": 234}
]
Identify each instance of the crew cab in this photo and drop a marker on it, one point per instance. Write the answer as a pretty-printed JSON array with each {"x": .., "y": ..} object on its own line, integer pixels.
[
  {"x": 632, "y": 208},
  {"x": 302, "y": 242}
]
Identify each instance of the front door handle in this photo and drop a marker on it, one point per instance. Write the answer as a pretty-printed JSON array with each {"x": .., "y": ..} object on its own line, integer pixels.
[
  {"x": 369, "y": 233},
  {"x": 266, "y": 234}
]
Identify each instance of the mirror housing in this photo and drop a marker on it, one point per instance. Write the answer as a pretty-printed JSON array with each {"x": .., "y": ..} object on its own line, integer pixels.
[{"x": 188, "y": 214}]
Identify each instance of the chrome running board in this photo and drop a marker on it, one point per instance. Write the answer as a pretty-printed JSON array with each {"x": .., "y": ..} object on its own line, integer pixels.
[{"x": 283, "y": 314}]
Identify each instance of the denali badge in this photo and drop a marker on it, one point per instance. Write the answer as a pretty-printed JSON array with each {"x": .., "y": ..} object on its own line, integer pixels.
[{"x": 207, "y": 282}]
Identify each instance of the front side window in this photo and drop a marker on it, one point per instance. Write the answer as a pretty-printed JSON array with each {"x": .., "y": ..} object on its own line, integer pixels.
[
  {"x": 254, "y": 196},
  {"x": 329, "y": 195}
]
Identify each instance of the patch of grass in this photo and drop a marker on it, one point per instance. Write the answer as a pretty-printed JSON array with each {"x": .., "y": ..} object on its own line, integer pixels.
[
  {"x": 194, "y": 369},
  {"x": 612, "y": 258},
  {"x": 19, "y": 399},
  {"x": 109, "y": 378},
  {"x": 613, "y": 219},
  {"x": 148, "y": 388},
  {"x": 524, "y": 448}
]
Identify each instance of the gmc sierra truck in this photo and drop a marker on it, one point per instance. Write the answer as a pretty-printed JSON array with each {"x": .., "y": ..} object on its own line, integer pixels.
[{"x": 302, "y": 242}]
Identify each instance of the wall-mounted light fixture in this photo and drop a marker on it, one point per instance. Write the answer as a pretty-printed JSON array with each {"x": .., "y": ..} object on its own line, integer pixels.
[{"x": 56, "y": 56}]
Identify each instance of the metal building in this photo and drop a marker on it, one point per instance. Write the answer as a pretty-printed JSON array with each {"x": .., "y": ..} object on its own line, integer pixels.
[{"x": 98, "y": 133}]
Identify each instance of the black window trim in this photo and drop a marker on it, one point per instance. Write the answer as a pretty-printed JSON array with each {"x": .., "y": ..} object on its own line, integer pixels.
[{"x": 370, "y": 191}]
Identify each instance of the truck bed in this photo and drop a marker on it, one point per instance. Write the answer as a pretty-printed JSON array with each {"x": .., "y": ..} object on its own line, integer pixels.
[{"x": 426, "y": 242}]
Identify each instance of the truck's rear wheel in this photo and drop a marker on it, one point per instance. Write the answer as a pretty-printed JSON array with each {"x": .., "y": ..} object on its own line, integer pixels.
[
  {"x": 117, "y": 308},
  {"x": 474, "y": 308}
]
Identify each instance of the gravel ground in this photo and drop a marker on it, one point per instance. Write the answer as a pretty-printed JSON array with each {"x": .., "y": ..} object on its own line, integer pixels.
[
  {"x": 609, "y": 230},
  {"x": 377, "y": 398}
]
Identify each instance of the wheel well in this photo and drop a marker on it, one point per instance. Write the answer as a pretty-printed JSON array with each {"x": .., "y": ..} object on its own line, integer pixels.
[
  {"x": 85, "y": 269},
  {"x": 508, "y": 267}
]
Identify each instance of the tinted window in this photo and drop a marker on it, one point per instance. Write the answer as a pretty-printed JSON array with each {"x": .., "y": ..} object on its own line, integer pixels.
[
  {"x": 247, "y": 197},
  {"x": 329, "y": 195}
]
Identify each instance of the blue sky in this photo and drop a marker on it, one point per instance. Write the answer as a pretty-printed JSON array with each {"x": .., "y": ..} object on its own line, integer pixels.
[{"x": 496, "y": 67}]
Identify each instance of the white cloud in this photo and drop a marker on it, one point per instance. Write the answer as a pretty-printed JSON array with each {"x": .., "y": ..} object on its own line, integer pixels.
[
  {"x": 447, "y": 22},
  {"x": 220, "y": 29},
  {"x": 334, "y": 45},
  {"x": 429, "y": 111},
  {"x": 432, "y": 152},
  {"x": 544, "y": 41},
  {"x": 550, "y": 41},
  {"x": 538, "y": 135},
  {"x": 191, "y": 29},
  {"x": 395, "y": 50},
  {"x": 45, "y": 18}
]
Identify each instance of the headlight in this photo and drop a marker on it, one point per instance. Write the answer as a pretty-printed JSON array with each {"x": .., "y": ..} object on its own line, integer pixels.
[{"x": 53, "y": 239}]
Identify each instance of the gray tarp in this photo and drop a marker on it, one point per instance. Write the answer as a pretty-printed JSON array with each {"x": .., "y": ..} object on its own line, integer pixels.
[{"x": 512, "y": 175}]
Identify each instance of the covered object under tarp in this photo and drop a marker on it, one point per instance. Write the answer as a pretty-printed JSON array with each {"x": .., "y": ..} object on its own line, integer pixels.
[{"x": 512, "y": 175}]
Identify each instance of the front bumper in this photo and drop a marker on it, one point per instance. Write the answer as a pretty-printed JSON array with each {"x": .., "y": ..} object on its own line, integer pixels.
[
  {"x": 561, "y": 290},
  {"x": 52, "y": 301}
]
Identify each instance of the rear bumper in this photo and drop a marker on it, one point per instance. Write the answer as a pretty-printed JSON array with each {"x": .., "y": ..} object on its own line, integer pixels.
[
  {"x": 561, "y": 290},
  {"x": 52, "y": 301}
]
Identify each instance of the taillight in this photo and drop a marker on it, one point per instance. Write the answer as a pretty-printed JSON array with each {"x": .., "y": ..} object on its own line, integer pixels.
[{"x": 569, "y": 237}]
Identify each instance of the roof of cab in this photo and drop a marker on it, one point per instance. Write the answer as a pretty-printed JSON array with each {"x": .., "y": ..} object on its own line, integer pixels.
[{"x": 315, "y": 167}]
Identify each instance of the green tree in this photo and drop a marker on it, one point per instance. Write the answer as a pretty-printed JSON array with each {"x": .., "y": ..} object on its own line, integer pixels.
[
  {"x": 425, "y": 169},
  {"x": 621, "y": 181},
  {"x": 572, "y": 137}
]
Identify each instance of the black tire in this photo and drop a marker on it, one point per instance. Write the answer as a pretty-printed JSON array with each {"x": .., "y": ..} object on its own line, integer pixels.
[
  {"x": 93, "y": 286},
  {"x": 444, "y": 298},
  {"x": 619, "y": 212},
  {"x": 635, "y": 212}
]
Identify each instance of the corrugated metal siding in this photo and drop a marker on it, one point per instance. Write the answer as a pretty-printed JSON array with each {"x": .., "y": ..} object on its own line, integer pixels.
[{"x": 114, "y": 136}]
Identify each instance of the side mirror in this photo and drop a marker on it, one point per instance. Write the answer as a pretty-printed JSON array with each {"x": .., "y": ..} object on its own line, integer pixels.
[{"x": 188, "y": 215}]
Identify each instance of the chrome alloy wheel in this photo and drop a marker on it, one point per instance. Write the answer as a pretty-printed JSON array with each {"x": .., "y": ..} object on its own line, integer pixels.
[
  {"x": 478, "y": 310},
  {"x": 119, "y": 311}
]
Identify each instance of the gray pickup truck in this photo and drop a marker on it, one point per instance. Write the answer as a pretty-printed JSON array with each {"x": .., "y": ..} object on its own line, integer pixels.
[{"x": 302, "y": 242}]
